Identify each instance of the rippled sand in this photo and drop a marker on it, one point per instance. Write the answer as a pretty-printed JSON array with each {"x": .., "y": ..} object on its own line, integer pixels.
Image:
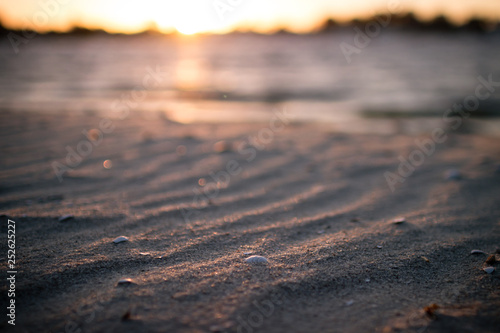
[{"x": 313, "y": 201}]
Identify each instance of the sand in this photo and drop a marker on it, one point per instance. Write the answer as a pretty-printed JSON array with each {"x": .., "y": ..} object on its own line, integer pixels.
[{"x": 312, "y": 200}]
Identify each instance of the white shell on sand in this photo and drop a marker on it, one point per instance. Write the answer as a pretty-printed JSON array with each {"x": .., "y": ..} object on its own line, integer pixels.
[
  {"x": 453, "y": 174},
  {"x": 489, "y": 270},
  {"x": 399, "y": 220},
  {"x": 120, "y": 239},
  {"x": 247, "y": 253},
  {"x": 65, "y": 218},
  {"x": 477, "y": 252},
  {"x": 256, "y": 260},
  {"x": 124, "y": 282}
]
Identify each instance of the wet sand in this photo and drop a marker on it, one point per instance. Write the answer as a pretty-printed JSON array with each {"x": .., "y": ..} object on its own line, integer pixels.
[{"x": 196, "y": 200}]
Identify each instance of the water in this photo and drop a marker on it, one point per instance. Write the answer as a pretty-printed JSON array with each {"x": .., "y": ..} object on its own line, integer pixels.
[{"x": 246, "y": 76}]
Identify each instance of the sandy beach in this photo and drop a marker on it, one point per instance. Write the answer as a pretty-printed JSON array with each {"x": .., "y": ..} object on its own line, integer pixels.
[{"x": 195, "y": 200}]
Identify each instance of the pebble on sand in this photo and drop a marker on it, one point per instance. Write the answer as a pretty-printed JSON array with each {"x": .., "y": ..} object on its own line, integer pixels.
[
  {"x": 489, "y": 270},
  {"x": 256, "y": 260},
  {"x": 399, "y": 220},
  {"x": 477, "y": 252},
  {"x": 65, "y": 218},
  {"x": 120, "y": 239},
  {"x": 126, "y": 282}
]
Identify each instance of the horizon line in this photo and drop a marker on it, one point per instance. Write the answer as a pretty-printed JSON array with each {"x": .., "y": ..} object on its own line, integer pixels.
[{"x": 329, "y": 23}]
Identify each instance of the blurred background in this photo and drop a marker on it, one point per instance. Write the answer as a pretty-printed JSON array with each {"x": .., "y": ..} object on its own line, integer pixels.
[{"x": 349, "y": 63}]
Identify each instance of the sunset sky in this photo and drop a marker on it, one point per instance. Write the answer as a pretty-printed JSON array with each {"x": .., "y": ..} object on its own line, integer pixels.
[{"x": 191, "y": 16}]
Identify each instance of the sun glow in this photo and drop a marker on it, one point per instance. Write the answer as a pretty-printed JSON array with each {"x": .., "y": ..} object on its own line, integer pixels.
[
  {"x": 187, "y": 17},
  {"x": 189, "y": 27}
]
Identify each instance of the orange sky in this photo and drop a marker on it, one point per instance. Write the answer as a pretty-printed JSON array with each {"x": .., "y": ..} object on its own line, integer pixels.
[{"x": 190, "y": 16}]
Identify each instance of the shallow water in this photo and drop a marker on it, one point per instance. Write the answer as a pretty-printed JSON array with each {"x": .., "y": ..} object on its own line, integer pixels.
[{"x": 245, "y": 76}]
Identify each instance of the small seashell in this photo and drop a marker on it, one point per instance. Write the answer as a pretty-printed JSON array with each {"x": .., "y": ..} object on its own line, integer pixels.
[
  {"x": 477, "y": 252},
  {"x": 120, "y": 239},
  {"x": 181, "y": 150},
  {"x": 453, "y": 174},
  {"x": 222, "y": 146},
  {"x": 247, "y": 253},
  {"x": 310, "y": 167},
  {"x": 489, "y": 270},
  {"x": 399, "y": 220},
  {"x": 379, "y": 246},
  {"x": 126, "y": 282},
  {"x": 256, "y": 260},
  {"x": 65, "y": 218},
  {"x": 367, "y": 280},
  {"x": 144, "y": 253}
]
